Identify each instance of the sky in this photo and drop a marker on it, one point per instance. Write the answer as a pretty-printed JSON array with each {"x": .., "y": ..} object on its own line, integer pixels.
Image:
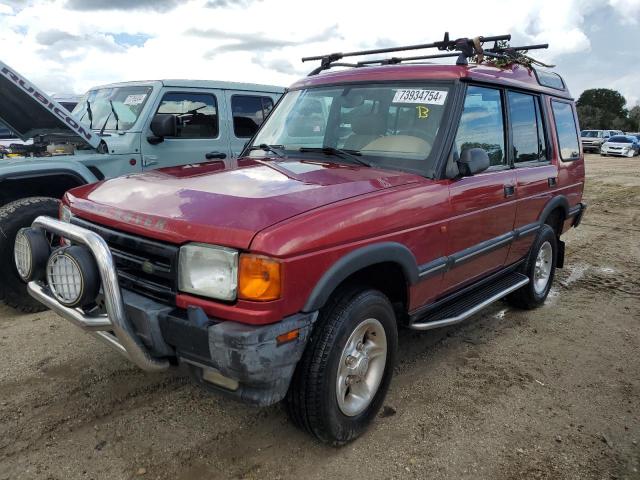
[{"x": 68, "y": 46}]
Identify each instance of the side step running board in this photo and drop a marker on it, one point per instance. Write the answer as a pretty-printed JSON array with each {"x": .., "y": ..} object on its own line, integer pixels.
[{"x": 460, "y": 309}]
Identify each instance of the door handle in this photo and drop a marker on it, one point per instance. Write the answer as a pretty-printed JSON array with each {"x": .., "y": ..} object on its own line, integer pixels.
[
  {"x": 212, "y": 155},
  {"x": 552, "y": 181},
  {"x": 509, "y": 190}
]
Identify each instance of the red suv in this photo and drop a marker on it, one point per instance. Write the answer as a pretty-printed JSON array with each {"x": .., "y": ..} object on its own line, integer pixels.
[{"x": 372, "y": 198}]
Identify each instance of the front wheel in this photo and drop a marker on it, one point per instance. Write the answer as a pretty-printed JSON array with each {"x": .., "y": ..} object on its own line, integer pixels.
[
  {"x": 13, "y": 217},
  {"x": 540, "y": 267},
  {"x": 344, "y": 374}
]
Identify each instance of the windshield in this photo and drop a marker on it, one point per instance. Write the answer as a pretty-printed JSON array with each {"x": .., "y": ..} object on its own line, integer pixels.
[
  {"x": 388, "y": 125},
  {"x": 127, "y": 103},
  {"x": 620, "y": 139},
  {"x": 590, "y": 134}
]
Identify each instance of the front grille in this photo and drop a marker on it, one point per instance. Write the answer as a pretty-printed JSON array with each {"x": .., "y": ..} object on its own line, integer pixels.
[{"x": 144, "y": 266}]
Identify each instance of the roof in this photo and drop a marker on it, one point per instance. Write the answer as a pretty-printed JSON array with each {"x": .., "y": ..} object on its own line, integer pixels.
[
  {"x": 213, "y": 84},
  {"x": 516, "y": 75}
]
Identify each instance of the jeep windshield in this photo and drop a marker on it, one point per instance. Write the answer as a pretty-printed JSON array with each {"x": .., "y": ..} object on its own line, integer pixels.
[
  {"x": 390, "y": 125},
  {"x": 95, "y": 107}
]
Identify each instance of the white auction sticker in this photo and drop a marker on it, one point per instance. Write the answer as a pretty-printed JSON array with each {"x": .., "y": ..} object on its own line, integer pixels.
[
  {"x": 430, "y": 97},
  {"x": 135, "y": 99}
]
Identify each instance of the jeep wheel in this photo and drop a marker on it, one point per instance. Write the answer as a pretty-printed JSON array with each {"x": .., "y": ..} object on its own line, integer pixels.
[
  {"x": 344, "y": 374},
  {"x": 540, "y": 267},
  {"x": 13, "y": 217}
]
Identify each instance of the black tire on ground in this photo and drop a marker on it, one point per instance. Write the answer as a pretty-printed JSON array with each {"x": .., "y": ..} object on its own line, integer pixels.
[
  {"x": 529, "y": 297},
  {"x": 312, "y": 402},
  {"x": 14, "y": 216}
]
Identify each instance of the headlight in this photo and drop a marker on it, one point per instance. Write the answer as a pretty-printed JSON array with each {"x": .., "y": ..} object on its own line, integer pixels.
[
  {"x": 30, "y": 253},
  {"x": 73, "y": 277},
  {"x": 208, "y": 270}
]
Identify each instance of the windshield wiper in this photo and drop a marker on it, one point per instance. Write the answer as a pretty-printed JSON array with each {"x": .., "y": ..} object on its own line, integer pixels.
[
  {"x": 352, "y": 155},
  {"x": 276, "y": 149},
  {"x": 106, "y": 120},
  {"x": 90, "y": 113}
]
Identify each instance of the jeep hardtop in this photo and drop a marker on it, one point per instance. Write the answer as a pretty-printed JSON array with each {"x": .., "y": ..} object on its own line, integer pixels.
[
  {"x": 377, "y": 197},
  {"x": 114, "y": 130}
]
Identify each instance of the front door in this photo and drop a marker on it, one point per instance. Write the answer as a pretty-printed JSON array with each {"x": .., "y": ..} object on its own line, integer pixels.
[
  {"x": 202, "y": 130},
  {"x": 483, "y": 206}
]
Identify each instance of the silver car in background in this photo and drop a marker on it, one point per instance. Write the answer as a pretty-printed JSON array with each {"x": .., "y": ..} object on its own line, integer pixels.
[
  {"x": 592, "y": 140},
  {"x": 621, "y": 146}
]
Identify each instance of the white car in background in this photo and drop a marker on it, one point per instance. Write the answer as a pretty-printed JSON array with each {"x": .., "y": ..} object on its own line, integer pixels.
[{"x": 620, "y": 146}]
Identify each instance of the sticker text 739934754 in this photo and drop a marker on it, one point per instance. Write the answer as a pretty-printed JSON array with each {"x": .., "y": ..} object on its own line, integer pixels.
[{"x": 429, "y": 97}]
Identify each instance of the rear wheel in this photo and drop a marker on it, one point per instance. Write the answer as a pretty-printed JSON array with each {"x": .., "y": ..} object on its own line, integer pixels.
[
  {"x": 344, "y": 374},
  {"x": 13, "y": 217},
  {"x": 540, "y": 267}
]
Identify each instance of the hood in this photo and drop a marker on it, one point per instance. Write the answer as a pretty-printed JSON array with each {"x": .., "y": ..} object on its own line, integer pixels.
[
  {"x": 28, "y": 111},
  {"x": 210, "y": 203}
]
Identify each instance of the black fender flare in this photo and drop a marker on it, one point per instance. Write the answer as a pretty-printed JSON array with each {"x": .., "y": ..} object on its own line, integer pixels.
[
  {"x": 556, "y": 202},
  {"x": 357, "y": 260},
  {"x": 55, "y": 173}
]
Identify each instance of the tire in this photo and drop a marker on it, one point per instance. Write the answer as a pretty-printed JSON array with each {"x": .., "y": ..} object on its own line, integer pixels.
[
  {"x": 312, "y": 400},
  {"x": 534, "y": 294},
  {"x": 14, "y": 216}
]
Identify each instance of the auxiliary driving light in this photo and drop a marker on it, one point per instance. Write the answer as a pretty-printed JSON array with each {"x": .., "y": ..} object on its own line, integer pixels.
[
  {"x": 73, "y": 276},
  {"x": 30, "y": 253}
]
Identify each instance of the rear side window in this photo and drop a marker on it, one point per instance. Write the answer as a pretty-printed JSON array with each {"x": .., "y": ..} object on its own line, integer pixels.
[
  {"x": 198, "y": 113},
  {"x": 527, "y": 128},
  {"x": 482, "y": 124},
  {"x": 566, "y": 130},
  {"x": 248, "y": 113}
]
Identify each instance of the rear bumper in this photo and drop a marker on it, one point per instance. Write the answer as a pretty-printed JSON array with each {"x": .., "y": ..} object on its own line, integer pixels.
[{"x": 244, "y": 361}]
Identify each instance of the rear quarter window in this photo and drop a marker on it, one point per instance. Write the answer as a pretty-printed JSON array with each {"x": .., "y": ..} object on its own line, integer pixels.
[{"x": 566, "y": 130}]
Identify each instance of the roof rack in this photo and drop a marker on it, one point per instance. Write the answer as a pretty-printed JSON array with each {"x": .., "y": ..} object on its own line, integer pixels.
[{"x": 464, "y": 48}]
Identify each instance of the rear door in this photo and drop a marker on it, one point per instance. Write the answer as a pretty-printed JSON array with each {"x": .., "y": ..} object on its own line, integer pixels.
[
  {"x": 483, "y": 206},
  {"x": 536, "y": 174},
  {"x": 248, "y": 111},
  {"x": 202, "y": 131}
]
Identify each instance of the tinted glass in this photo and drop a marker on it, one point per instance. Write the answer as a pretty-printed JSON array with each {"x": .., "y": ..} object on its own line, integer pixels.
[
  {"x": 620, "y": 139},
  {"x": 566, "y": 129},
  {"x": 248, "y": 114},
  {"x": 591, "y": 134},
  {"x": 198, "y": 113},
  {"x": 550, "y": 79},
  {"x": 523, "y": 116},
  {"x": 482, "y": 124},
  {"x": 390, "y": 125}
]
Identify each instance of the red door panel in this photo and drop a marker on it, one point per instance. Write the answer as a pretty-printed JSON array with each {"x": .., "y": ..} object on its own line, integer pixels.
[
  {"x": 533, "y": 192},
  {"x": 480, "y": 213}
]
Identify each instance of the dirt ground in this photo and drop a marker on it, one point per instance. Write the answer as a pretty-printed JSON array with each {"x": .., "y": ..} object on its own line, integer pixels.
[{"x": 550, "y": 393}]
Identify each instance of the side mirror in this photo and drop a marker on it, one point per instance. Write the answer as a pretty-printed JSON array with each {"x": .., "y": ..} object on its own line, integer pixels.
[
  {"x": 472, "y": 161},
  {"x": 163, "y": 125}
]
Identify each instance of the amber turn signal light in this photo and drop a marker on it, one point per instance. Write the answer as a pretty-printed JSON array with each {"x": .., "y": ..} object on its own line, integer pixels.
[{"x": 259, "y": 279}]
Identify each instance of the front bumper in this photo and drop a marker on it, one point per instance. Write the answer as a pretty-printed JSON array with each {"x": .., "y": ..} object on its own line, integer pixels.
[
  {"x": 244, "y": 361},
  {"x": 616, "y": 153},
  {"x": 591, "y": 146}
]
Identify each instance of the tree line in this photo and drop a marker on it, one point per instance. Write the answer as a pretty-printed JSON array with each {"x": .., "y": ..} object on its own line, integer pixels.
[{"x": 603, "y": 108}]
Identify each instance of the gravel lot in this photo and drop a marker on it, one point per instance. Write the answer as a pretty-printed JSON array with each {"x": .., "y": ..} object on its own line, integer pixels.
[{"x": 551, "y": 393}]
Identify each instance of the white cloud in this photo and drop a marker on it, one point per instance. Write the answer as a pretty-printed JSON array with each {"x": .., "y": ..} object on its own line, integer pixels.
[{"x": 276, "y": 32}]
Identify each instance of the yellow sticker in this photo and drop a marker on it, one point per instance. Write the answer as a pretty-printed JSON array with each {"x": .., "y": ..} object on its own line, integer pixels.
[{"x": 423, "y": 112}]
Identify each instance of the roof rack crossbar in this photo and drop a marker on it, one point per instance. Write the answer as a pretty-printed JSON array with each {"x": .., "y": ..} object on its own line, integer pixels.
[
  {"x": 467, "y": 48},
  {"x": 394, "y": 60}
]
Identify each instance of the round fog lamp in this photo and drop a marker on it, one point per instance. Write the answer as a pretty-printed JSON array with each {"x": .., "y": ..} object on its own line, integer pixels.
[
  {"x": 30, "y": 253},
  {"x": 73, "y": 276}
]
